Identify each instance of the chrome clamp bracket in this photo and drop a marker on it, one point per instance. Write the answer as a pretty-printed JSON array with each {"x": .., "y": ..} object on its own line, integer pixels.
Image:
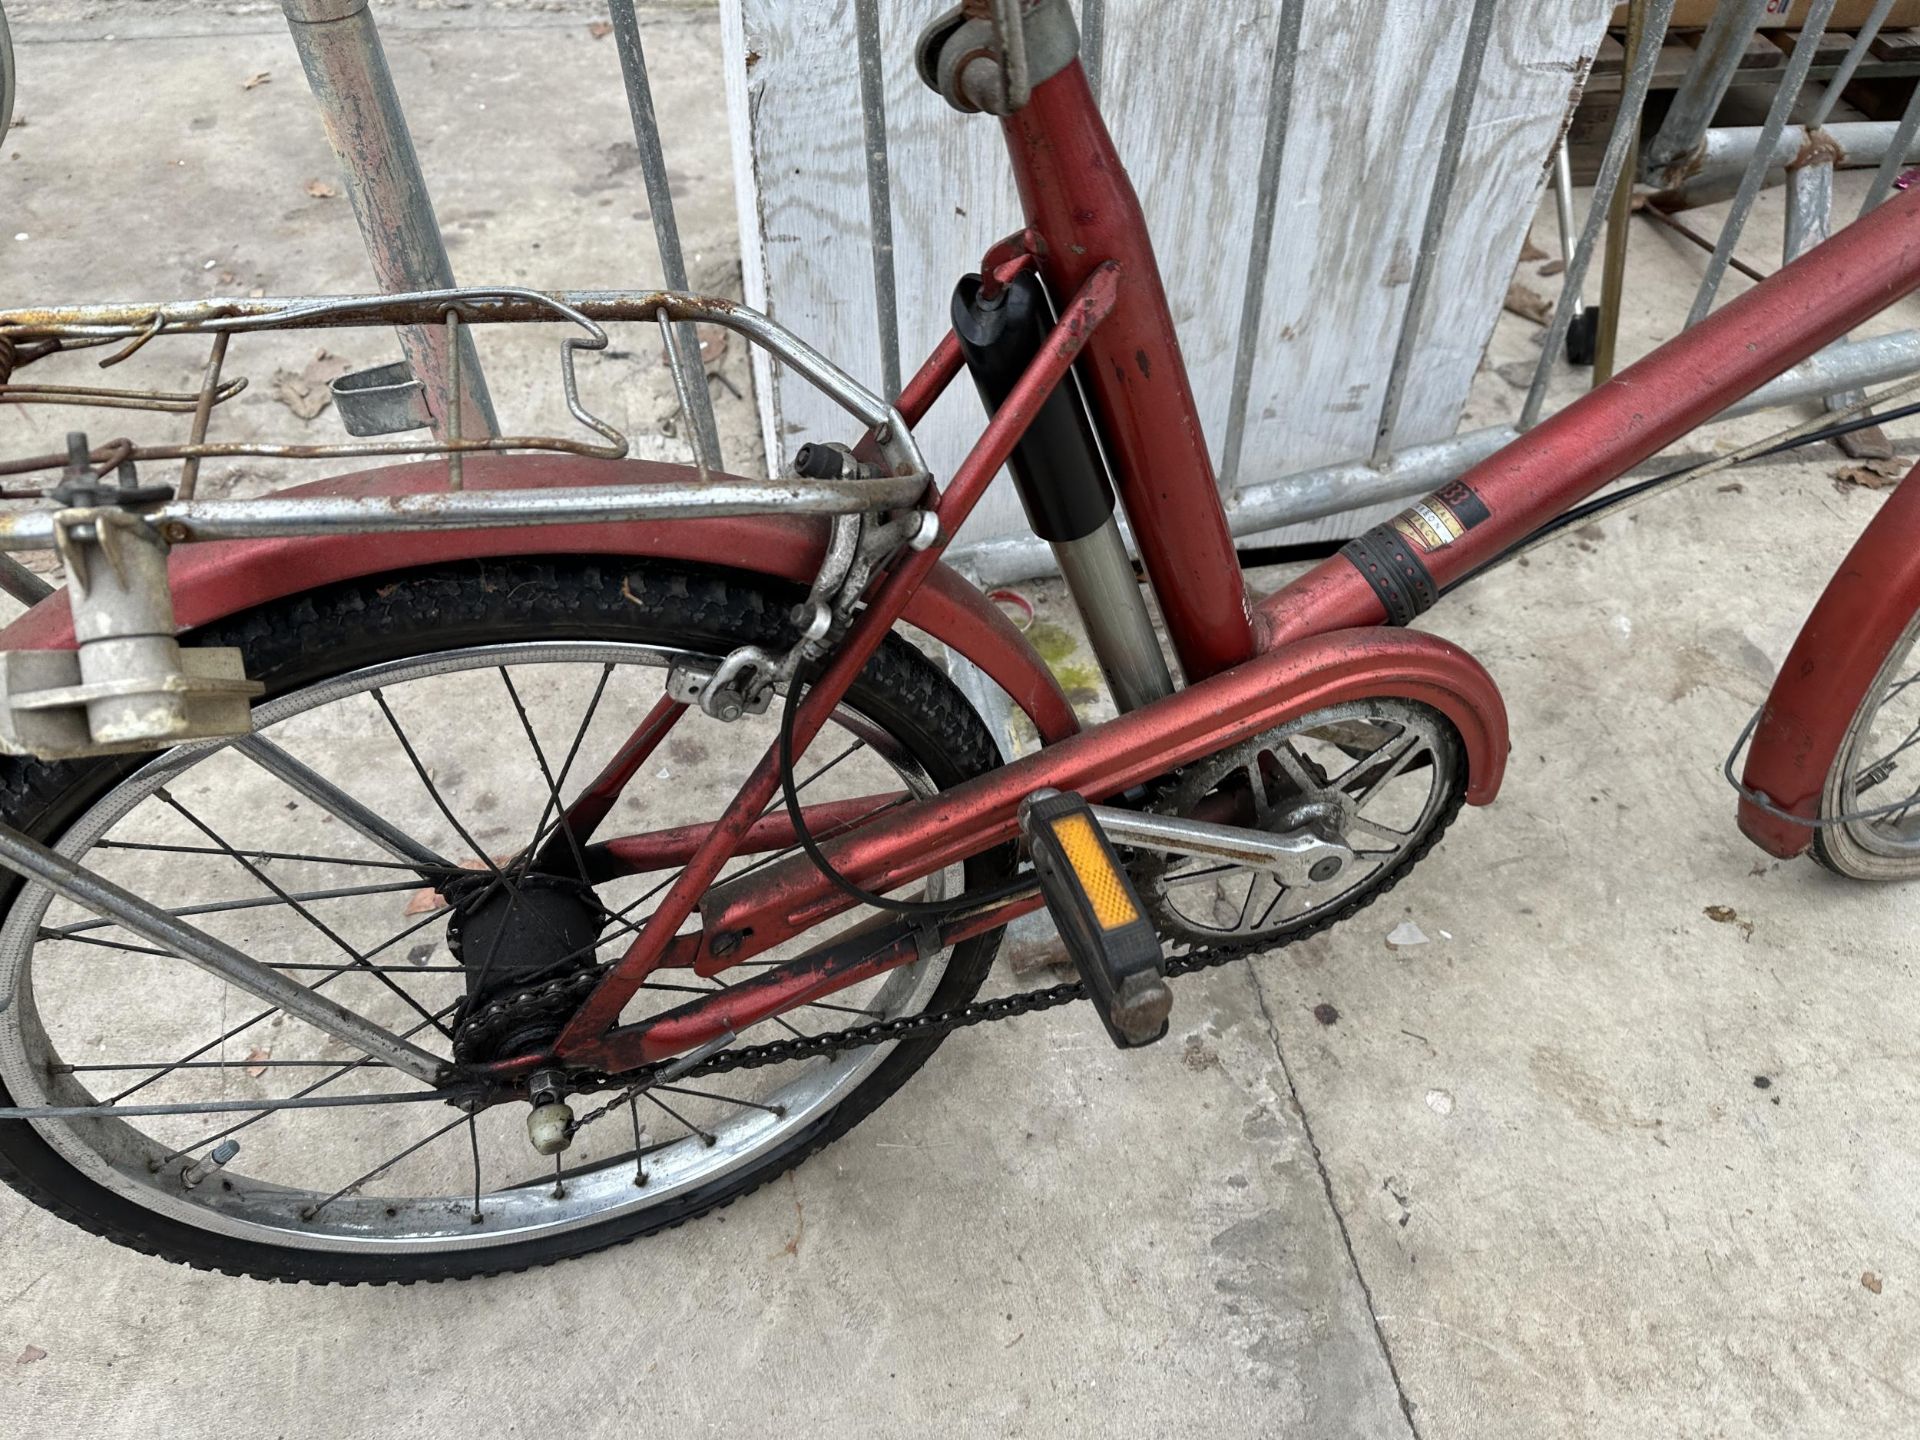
[{"x": 129, "y": 685}]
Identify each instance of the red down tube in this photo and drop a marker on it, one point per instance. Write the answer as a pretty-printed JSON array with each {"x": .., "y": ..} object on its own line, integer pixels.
[{"x": 1398, "y": 569}]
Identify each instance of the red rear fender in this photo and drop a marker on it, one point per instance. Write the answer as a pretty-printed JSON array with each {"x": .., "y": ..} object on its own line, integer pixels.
[{"x": 215, "y": 580}]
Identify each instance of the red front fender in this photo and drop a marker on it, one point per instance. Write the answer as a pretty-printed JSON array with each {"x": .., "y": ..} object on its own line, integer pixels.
[
  {"x": 1861, "y": 616},
  {"x": 212, "y": 581}
]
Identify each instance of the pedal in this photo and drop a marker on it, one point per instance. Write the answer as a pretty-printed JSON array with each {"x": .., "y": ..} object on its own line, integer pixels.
[{"x": 1100, "y": 918}]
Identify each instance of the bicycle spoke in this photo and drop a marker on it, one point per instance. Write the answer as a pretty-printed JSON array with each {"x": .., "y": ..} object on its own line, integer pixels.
[
  {"x": 473, "y": 1135},
  {"x": 707, "y": 1137},
  {"x": 555, "y": 805},
  {"x": 252, "y": 902},
  {"x": 304, "y": 780},
  {"x": 315, "y": 921},
  {"x": 433, "y": 791},
  {"x": 776, "y": 1110},
  {"x": 1912, "y": 738},
  {"x": 263, "y": 855},
  {"x": 171, "y": 1065},
  {"x": 312, "y": 1210},
  {"x": 345, "y": 1068},
  {"x": 55, "y": 936},
  {"x": 778, "y": 801},
  {"x": 268, "y": 1013}
]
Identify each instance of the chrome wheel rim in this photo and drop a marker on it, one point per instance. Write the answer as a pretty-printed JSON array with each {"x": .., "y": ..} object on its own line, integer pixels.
[
  {"x": 1876, "y": 775},
  {"x": 603, "y": 1180}
]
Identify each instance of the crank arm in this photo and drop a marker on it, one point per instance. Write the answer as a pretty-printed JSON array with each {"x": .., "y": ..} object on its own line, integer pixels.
[{"x": 1290, "y": 856}]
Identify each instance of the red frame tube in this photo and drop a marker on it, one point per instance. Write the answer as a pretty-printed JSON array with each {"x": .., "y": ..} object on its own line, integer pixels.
[
  {"x": 582, "y": 1037},
  {"x": 664, "y": 849},
  {"x": 1799, "y": 310}
]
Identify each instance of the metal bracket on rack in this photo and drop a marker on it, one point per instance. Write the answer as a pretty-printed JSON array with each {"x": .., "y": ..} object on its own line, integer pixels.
[{"x": 130, "y": 685}]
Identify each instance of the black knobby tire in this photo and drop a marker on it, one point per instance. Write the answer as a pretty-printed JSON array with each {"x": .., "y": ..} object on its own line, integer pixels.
[{"x": 314, "y": 636}]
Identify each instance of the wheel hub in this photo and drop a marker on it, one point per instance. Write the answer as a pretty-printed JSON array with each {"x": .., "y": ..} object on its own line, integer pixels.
[{"x": 514, "y": 936}]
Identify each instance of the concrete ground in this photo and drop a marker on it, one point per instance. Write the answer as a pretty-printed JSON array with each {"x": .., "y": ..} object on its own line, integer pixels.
[{"x": 1588, "y": 1162}]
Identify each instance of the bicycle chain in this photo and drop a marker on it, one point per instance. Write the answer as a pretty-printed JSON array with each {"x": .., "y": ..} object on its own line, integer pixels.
[
  {"x": 979, "y": 1012},
  {"x": 1005, "y": 1007}
]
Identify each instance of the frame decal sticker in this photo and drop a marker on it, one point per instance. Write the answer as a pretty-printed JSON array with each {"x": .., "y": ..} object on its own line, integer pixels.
[{"x": 1442, "y": 518}]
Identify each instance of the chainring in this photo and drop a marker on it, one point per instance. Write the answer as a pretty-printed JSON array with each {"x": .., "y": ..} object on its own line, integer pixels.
[{"x": 1300, "y": 789}]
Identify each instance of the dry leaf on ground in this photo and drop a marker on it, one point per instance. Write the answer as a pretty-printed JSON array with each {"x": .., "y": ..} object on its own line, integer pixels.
[
  {"x": 305, "y": 391},
  {"x": 1869, "y": 475},
  {"x": 321, "y": 190},
  {"x": 1528, "y": 304}
]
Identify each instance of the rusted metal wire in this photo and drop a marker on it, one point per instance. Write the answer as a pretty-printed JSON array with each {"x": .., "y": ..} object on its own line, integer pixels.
[
  {"x": 203, "y": 413},
  {"x": 133, "y": 326},
  {"x": 161, "y": 401}
]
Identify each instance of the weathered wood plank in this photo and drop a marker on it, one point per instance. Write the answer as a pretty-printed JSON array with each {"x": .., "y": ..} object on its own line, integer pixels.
[
  {"x": 809, "y": 181},
  {"x": 1186, "y": 93}
]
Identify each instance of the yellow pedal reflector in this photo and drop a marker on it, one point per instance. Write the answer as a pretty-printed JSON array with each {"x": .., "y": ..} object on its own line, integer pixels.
[
  {"x": 1093, "y": 867},
  {"x": 1099, "y": 917}
]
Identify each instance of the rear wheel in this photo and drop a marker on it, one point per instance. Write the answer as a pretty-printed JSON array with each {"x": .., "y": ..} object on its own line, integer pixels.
[
  {"x": 1870, "y": 806},
  {"x": 455, "y": 704}
]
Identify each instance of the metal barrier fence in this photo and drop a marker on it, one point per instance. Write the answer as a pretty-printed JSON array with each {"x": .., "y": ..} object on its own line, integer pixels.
[{"x": 340, "y": 50}]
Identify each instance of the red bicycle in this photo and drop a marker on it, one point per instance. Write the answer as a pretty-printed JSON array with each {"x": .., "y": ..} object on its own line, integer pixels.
[{"x": 369, "y": 880}]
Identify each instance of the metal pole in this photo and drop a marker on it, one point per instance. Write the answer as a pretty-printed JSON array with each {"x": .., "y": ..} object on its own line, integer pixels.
[
  {"x": 666, "y": 228},
  {"x": 1354, "y": 485},
  {"x": 1613, "y": 268},
  {"x": 1895, "y": 157},
  {"x": 1446, "y": 172},
  {"x": 90, "y": 891},
  {"x": 873, "y": 129},
  {"x": 340, "y": 50},
  {"x": 1857, "y": 52},
  {"x": 1796, "y": 74},
  {"x": 1093, "y": 42},
  {"x": 1633, "y": 95},
  {"x": 1702, "y": 89},
  {"x": 1728, "y": 154}
]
